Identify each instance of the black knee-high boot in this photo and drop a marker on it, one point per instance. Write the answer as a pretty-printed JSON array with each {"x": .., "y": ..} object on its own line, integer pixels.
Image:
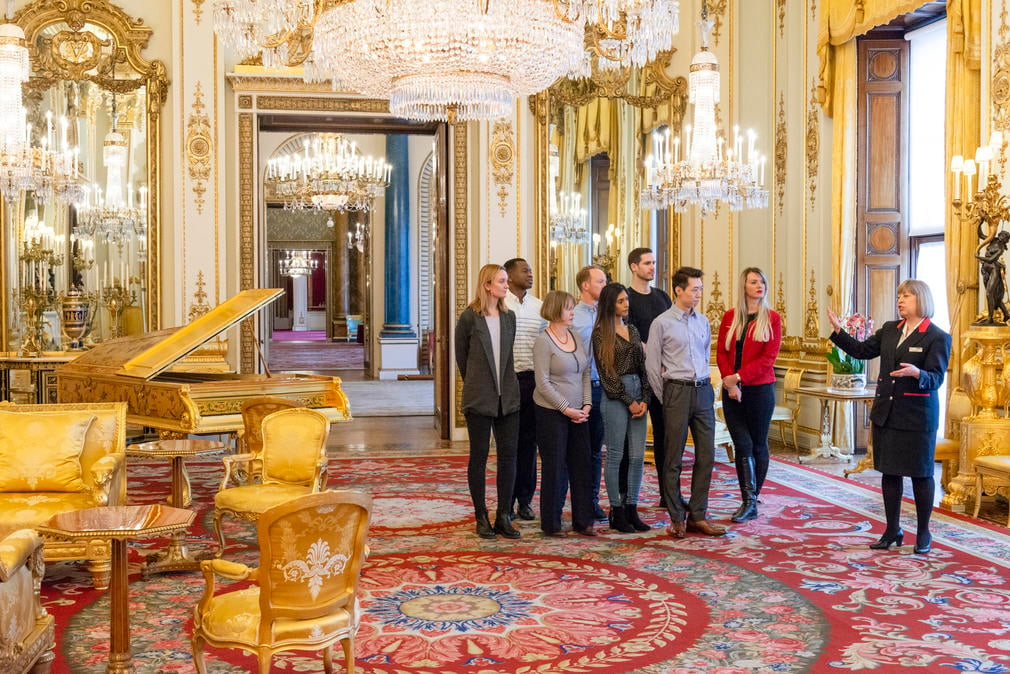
[
  {"x": 923, "y": 489},
  {"x": 748, "y": 492},
  {"x": 890, "y": 487}
]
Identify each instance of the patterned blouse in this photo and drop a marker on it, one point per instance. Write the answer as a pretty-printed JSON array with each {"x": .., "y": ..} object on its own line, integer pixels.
[{"x": 629, "y": 358}]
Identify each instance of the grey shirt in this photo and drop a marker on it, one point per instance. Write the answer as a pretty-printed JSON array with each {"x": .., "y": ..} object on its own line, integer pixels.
[
  {"x": 562, "y": 378},
  {"x": 583, "y": 322},
  {"x": 679, "y": 347}
]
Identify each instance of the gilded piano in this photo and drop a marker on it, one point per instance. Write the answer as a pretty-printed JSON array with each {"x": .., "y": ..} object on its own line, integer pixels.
[{"x": 143, "y": 372}]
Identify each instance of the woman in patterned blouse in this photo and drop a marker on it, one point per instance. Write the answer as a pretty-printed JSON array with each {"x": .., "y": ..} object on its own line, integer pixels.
[{"x": 620, "y": 361}]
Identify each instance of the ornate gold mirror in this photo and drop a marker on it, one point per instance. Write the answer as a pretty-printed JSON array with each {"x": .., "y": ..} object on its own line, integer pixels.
[
  {"x": 93, "y": 96},
  {"x": 592, "y": 140}
]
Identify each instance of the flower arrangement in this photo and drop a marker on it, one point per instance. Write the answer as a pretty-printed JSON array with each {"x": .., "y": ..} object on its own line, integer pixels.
[{"x": 858, "y": 327}]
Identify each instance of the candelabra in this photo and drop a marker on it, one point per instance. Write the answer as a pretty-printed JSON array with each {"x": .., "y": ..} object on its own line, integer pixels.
[
  {"x": 606, "y": 258},
  {"x": 568, "y": 224},
  {"x": 36, "y": 293},
  {"x": 117, "y": 297}
]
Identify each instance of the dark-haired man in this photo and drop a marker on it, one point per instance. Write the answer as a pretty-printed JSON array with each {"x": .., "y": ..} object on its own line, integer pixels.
[
  {"x": 529, "y": 325},
  {"x": 645, "y": 303},
  {"x": 677, "y": 362}
]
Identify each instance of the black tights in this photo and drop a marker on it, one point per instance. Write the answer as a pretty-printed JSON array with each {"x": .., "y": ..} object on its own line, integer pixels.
[{"x": 922, "y": 489}]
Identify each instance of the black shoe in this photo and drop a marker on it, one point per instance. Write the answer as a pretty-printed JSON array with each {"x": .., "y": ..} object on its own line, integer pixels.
[
  {"x": 748, "y": 490},
  {"x": 503, "y": 527},
  {"x": 484, "y": 528},
  {"x": 631, "y": 513},
  {"x": 747, "y": 511},
  {"x": 619, "y": 520},
  {"x": 887, "y": 540},
  {"x": 526, "y": 512},
  {"x": 598, "y": 514},
  {"x": 923, "y": 543}
]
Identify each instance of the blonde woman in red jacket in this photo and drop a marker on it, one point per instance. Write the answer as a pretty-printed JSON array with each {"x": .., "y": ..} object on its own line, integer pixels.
[{"x": 749, "y": 340}]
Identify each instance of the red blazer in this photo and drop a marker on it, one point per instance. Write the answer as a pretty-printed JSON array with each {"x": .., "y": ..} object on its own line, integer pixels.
[{"x": 757, "y": 364}]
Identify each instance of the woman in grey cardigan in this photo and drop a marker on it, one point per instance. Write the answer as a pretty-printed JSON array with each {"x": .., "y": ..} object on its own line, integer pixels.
[
  {"x": 484, "y": 335},
  {"x": 563, "y": 400}
]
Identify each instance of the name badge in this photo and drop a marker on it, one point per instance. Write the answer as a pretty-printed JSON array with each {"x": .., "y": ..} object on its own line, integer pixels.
[{"x": 915, "y": 349}]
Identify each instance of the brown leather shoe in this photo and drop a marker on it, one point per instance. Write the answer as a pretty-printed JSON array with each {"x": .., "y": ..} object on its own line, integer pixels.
[
  {"x": 676, "y": 529},
  {"x": 588, "y": 531},
  {"x": 705, "y": 527}
]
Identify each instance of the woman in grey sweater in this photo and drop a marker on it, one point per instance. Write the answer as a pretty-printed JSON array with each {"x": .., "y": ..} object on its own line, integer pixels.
[{"x": 563, "y": 398}]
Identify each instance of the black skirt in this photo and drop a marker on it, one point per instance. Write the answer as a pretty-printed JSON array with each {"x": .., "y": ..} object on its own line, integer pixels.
[{"x": 906, "y": 453}]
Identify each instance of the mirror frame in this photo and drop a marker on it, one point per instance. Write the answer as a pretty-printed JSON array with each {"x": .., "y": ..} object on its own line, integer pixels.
[
  {"x": 671, "y": 91},
  {"x": 130, "y": 37}
]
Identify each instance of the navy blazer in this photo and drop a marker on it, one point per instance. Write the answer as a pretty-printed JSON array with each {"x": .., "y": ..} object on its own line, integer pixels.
[
  {"x": 475, "y": 361},
  {"x": 904, "y": 403}
]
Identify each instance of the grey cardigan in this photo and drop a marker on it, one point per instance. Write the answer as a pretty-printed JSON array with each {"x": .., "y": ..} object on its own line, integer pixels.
[{"x": 475, "y": 361}]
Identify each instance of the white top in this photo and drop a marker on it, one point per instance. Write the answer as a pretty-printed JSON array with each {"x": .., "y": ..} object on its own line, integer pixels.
[
  {"x": 529, "y": 325},
  {"x": 494, "y": 327}
]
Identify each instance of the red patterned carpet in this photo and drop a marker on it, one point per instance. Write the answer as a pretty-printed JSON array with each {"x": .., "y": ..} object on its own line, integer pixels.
[
  {"x": 287, "y": 356},
  {"x": 795, "y": 591}
]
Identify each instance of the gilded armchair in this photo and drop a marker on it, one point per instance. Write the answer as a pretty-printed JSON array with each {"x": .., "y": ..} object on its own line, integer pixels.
[
  {"x": 305, "y": 592},
  {"x": 246, "y": 466},
  {"x": 98, "y": 480},
  {"x": 27, "y": 638},
  {"x": 293, "y": 464},
  {"x": 788, "y": 411}
]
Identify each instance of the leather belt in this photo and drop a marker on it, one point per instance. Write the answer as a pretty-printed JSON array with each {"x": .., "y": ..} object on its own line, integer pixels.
[{"x": 694, "y": 383}]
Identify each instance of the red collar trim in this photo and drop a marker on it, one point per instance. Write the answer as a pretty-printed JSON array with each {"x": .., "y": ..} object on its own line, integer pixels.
[{"x": 923, "y": 325}]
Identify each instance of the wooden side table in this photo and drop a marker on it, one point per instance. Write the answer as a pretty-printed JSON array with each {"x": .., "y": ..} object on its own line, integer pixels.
[
  {"x": 176, "y": 557},
  {"x": 120, "y": 524}
]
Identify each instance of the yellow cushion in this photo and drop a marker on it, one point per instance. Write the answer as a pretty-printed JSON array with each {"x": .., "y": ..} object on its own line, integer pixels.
[
  {"x": 235, "y": 616},
  {"x": 28, "y": 510},
  {"x": 258, "y": 498},
  {"x": 42, "y": 452}
]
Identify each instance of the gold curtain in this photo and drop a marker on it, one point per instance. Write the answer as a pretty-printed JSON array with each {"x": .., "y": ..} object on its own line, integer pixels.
[
  {"x": 964, "y": 43},
  {"x": 842, "y": 21}
]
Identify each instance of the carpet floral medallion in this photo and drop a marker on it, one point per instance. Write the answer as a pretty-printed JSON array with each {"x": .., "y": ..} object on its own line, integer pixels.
[{"x": 795, "y": 590}]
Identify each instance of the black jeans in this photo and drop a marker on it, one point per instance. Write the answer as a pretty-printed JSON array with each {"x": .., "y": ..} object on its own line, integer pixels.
[
  {"x": 479, "y": 428},
  {"x": 526, "y": 449},
  {"x": 748, "y": 422},
  {"x": 658, "y": 439},
  {"x": 564, "y": 452}
]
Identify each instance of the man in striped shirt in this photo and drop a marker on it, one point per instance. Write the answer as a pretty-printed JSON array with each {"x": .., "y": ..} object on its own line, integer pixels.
[{"x": 529, "y": 325}]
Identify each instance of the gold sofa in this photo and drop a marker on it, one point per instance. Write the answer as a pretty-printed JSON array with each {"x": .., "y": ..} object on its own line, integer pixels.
[
  {"x": 101, "y": 480},
  {"x": 27, "y": 638}
]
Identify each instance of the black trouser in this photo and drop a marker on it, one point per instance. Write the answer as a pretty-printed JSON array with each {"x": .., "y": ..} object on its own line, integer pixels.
[
  {"x": 748, "y": 422},
  {"x": 479, "y": 428},
  {"x": 596, "y": 442},
  {"x": 658, "y": 438},
  {"x": 564, "y": 452},
  {"x": 526, "y": 448}
]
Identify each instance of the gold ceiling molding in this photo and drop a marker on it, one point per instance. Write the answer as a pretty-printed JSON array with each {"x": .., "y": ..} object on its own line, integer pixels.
[
  {"x": 613, "y": 83},
  {"x": 502, "y": 156},
  {"x": 813, "y": 142},
  {"x": 812, "y": 321},
  {"x": 322, "y": 104},
  {"x": 199, "y": 147},
  {"x": 782, "y": 17},
  {"x": 781, "y": 153},
  {"x": 1000, "y": 87}
]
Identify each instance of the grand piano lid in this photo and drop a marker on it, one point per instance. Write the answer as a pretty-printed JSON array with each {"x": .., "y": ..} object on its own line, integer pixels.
[{"x": 145, "y": 356}]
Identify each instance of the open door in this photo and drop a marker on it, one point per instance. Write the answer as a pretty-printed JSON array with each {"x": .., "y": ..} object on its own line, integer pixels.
[{"x": 439, "y": 196}]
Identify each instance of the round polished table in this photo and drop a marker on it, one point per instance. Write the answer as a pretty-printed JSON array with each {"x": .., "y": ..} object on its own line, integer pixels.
[
  {"x": 118, "y": 524},
  {"x": 177, "y": 557}
]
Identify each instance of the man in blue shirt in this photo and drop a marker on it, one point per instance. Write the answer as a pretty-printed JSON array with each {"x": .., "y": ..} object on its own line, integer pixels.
[{"x": 590, "y": 281}]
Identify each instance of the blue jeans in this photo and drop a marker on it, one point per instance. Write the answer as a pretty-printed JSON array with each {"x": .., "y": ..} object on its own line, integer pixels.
[{"x": 618, "y": 426}]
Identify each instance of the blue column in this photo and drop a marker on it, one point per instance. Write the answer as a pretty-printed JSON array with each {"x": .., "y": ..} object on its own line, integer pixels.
[{"x": 397, "y": 258}]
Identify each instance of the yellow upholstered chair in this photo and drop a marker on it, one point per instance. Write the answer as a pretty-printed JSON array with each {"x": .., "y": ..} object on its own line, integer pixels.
[
  {"x": 247, "y": 465},
  {"x": 27, "y": 637},
  {"x": 788, "y": 411},
  {"x": 304, "y": 597},
  {"x": 293, "y": 465},
  {"x": 47, "y": 467}
]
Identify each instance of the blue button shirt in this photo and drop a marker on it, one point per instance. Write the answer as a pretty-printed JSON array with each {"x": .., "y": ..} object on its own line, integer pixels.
[{"x": 582, "y": 323}]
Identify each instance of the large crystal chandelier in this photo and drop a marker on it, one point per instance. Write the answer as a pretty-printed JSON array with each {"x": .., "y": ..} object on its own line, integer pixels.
[
  {"x": 298, "y": 263},
  {"x": 623, "y": 33},
  {"x": 329, "y": 174},
  {"x": 23, "y": 166},
  {"x": 709, "y": 172},
  {"x": 568, "y": 222}
]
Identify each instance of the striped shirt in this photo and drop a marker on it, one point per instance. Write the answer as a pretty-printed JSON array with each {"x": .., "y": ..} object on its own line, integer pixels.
[{"x": 529, "y": 325}]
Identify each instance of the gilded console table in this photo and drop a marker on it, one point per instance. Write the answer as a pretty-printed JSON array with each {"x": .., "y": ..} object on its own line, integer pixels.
[
  {"x": 41, "y": 372},
  {"x": 827, "y": 396}
]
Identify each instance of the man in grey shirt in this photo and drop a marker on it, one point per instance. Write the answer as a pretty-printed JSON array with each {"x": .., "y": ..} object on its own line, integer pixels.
[
  {"x": 591, "y": 280},
  {"x": 677, "y": 362}
]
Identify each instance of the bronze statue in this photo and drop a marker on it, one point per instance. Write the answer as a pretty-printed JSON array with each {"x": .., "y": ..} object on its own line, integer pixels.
[{"x": 993, "y": 273}]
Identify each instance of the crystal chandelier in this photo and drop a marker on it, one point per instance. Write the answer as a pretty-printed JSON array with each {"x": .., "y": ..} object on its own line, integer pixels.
[
  {"x": 298, "y": 263},
  {"x": 568, "y": 224},
  {"x": 328, "y": 174},
  {"x": 447, "y": 60},
  {"x": 709, "y": 172},
  {"x": 623, "y": 33}
]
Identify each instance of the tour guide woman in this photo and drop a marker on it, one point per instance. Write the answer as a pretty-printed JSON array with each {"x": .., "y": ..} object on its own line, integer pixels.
[
  {"x": 906, "y": 410},
  {"x": 748, "y": 344},
  {"x": 484, "y": 335}
]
